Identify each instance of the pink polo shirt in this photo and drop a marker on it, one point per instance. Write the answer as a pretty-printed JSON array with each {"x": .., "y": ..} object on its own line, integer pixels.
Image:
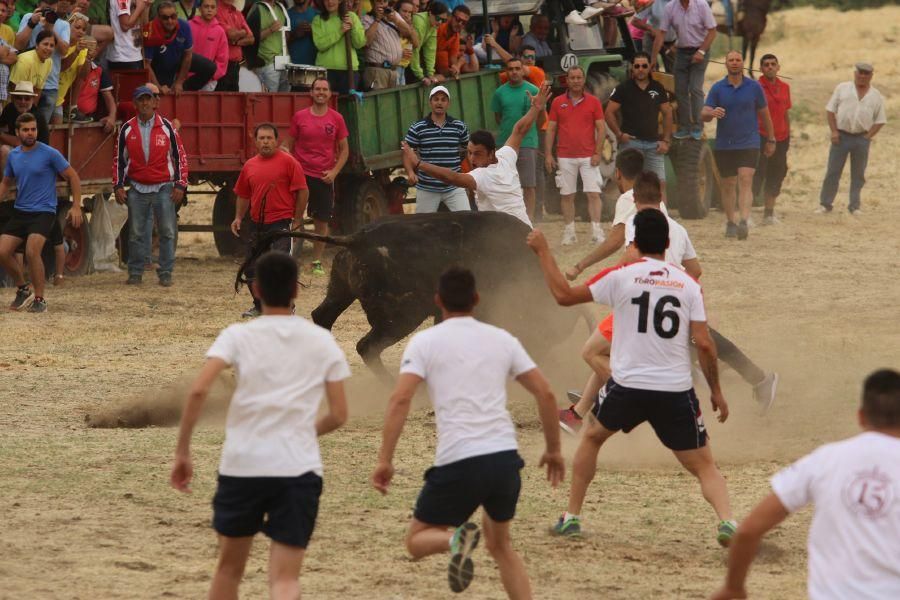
[
  {"x": 231, "y": 18},
  {"x": 211, "y": 42}
]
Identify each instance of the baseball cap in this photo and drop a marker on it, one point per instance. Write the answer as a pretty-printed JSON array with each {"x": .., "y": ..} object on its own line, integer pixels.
[
  {"x": 437, "y": 89},
  {"x": 142, "y": 91},
  {"x": 864, "y": 67}
]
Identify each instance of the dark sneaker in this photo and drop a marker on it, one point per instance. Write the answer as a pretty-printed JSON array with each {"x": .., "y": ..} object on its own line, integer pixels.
[
  {"x": 165, "y": 280},
  {"x": 251, "y": 313},
  {"x": 764, "y": 391},
  {"x": 731, "y": 230},
  {"x": 134, "y": 280},
  {"x": 726, "y": 531},
  {"x": 682, "y": 134},
  {"x": 23, "y": 299},
  {"x": 461, "y": 570},
  {"x": 80, "y": 117},
  {"x": 743, "y": 230},
  {"x": 570, "y": 527},
  {"x": 569, "y": 421},
  {"x": 38, "y": 306}
]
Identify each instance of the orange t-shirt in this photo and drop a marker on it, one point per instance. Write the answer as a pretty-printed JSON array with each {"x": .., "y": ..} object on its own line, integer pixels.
[
  {"x": 535, "y": 75},
  {"x": 447, "y": 48}
]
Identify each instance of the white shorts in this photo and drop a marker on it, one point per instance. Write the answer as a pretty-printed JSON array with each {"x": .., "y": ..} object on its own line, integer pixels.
[{"x": 567, "y": 176}]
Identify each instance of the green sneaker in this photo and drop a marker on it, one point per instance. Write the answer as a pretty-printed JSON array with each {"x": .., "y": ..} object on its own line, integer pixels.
[
  {"x": 461, "y": 570},
  {"x": 317, "y": 268},
  {"x": 569, "y": 528},
  {"x": 727, "y": 529}
]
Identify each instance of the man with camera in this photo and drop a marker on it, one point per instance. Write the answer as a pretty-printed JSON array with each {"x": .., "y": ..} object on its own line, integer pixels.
[
  {"x": 384, "y": 26},
  {"x": 45, "y": 18}
]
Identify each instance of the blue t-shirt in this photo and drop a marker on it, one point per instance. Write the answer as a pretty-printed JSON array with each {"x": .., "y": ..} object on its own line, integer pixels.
[
  {"x": 302, "y": 50},
  {"x": 35, "y": 174},
  {"x": 167, "y": 58},
  {"x": 62, "y": 29},
  {"x": 739, "y": 130}
]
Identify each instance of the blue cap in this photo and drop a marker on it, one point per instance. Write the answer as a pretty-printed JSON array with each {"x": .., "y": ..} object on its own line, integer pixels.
[{"x": 142, "y": 91}]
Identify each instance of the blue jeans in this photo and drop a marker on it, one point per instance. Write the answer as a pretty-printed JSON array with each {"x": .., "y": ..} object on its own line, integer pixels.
[
  {"x": 141, "y": 208},
  {"x": 47, "y": 104},
  {"x": 275, "y": 81},
  {"x": 653, "y": 160},
  {"x": 857, "y": 146},
  {"x": 689, "y": 89}
]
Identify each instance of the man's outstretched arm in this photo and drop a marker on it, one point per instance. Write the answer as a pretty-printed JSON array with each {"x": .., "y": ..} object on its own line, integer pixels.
[{"x": 564, "y": 294}]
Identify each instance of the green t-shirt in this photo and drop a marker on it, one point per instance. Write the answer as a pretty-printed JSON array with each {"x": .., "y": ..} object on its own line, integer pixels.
[
  {"x": 270, "y": 47},
  {"x": 511, "y": 103}
]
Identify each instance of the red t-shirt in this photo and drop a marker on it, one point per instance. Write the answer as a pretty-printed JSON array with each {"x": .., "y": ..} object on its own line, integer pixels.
[
  {"x": 316, "y": 138},
  {"x": 778, "y": 97},
  {"x": 274, "y": 179},
  {"x": 575, "y": 125},
  {"x": 447, "y": 48},
  {"x": 90, "y": 91}
]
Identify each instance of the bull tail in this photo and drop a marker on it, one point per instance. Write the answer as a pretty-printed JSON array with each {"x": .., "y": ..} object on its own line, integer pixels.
[{"x": 264, "y": 243}]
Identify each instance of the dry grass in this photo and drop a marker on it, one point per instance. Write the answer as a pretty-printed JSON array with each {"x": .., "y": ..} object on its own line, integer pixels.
[{"x": 88, "y": 512}]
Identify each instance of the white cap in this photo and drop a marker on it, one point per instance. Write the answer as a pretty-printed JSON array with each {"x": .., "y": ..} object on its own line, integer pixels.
[{"x": 437, "y": 89}]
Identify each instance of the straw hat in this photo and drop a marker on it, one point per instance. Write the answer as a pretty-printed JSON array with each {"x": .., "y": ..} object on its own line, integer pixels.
[{"x": 23, "y": 88}]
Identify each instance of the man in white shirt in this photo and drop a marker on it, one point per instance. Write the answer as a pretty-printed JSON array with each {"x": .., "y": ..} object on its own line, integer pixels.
[
  {"x": 494, "y": 180},
  {"x": 659, "y": 311},
  {"x": 270, "y": 474},
  {"x": 466, "y": 364},
  {"x": 855, "y": 115},
  {"x": 126, "y": 18},
  {"x": 854, "y": 539}
]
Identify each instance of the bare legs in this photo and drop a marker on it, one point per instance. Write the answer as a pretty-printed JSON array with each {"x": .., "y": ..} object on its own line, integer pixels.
[
  {"x": 701, "y": 465},
  {"x": 284, "y": 569},
  {"x": 743, "y": 194}
]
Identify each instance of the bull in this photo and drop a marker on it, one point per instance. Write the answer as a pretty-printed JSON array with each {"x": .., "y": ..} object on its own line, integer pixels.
[{"x": 392, "y": 267}]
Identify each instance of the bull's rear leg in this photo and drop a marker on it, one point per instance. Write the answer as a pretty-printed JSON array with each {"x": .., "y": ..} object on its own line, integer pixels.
[
  {"x": 388, "y": 328},
  {"x": 339, "y": 296}
]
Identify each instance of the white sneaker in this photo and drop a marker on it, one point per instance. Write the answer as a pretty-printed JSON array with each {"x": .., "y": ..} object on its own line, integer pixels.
[
  {"x": 573, "y": 18},
  {"x": 569, "y": 237},
  {"x": 750, "y": 223},
  {"x": 591, "y": 11},
  {"x": 855, "y": 213},
  {"x": 597, "y": 235},
  {"x": 821, "y": 210},
  {"x": 771, "y": 220}
]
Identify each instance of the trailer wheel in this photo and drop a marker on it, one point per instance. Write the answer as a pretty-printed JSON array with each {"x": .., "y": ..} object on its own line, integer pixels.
[
  {"x": 696, "y": 179},
  {"x": 368, "y": 202},
  {"x": 78, "y": 257},
  {"x": 223, "y": 214}
]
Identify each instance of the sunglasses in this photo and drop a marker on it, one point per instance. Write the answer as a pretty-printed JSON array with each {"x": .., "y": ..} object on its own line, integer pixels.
[
  {"x": 441, "y": 19},
  {"x": 529, "y": 56},
  {"x": 168, "y": 17},
  {"x": 640, "y": 66}
]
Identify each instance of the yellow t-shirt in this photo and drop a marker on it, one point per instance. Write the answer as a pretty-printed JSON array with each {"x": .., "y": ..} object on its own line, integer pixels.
[
  {"x": 7, "y": 34},
  {"x": 67, "y": 77},
  {"x": 30, "y": 68}
]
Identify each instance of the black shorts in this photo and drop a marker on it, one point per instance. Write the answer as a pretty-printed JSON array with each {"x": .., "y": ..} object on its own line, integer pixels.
[
  {"x": 674, "y": 416},
  {"x": 56, "y": 237},
  {"x": 321, "y": 199},
  {"x": 284, "y": 508},
  {"x": 23, "y": 224},
  {"x": 771, "y": 170},
  {"x": 729, "y": 161},
  {"x": 453, "y": 492}
]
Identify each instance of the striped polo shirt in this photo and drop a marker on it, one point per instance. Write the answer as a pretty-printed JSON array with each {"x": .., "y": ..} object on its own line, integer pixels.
[{"x": 438, "y": 146}]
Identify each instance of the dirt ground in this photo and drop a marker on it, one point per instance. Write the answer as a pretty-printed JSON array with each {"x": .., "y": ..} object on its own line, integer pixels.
[{"x": 88, "y": 513}]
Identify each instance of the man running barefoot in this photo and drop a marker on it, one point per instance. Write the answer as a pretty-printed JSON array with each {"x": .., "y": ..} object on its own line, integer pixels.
[
  {"x": 658, "y": 309},
  {"x": 465, "y": 364},
  {"x": 270, "y": 475}
]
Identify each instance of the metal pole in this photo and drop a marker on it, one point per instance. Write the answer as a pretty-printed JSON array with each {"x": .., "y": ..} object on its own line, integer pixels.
[
  {"x": 349, "y": 49},
  {"x": 487, "y": 27}
]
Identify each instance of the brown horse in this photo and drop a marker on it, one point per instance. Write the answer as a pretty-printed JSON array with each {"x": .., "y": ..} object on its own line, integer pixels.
[{"x": 750, "y": 22}]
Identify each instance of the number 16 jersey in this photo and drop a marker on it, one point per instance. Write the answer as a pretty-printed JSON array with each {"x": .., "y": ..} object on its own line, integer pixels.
[{"x": 653, "y": 304}]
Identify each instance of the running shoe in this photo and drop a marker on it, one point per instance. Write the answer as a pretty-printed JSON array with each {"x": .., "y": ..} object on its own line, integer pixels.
[
  {"x": 165, "y": 280},
  {"x": 38, "y": 306},
  {"x": 822, "y": 210},
  {"x": 771, "y": 220},
  {"x": 251, "y": 313},
  {"x": 731, "y": 230},
  {"x": 855, "y": 213},
  {"x": 569, "y": 238},
  {"x": 743, "y": 230},
  {"x": 764, "y": 391},
  {"x": 24, "y": 298},
  {"x": 573, "y": 395},
  {"x": 697, "y": 134},
  {"x": 134, "y": 280},
  {"x": 597, "y": 235},
  {"x": 461, "y": 570},
  {"x": 317, "y": 268},
  {"x": 570, "y": 527},
  {"x": 569, "y": 421},
  {"x": 682, "y": 134},
  {"x": 726, "y": 531}
]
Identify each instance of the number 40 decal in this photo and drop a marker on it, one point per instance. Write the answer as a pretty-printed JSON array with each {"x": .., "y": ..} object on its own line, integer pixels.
[{"x": 665, "y": 321}]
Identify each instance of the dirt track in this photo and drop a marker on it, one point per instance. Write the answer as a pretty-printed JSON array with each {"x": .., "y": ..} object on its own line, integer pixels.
[{"x": 88, "y": 512}]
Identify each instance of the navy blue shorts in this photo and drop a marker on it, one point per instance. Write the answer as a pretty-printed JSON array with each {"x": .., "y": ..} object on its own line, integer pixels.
[
  {"x": 674, "y": 416},
  {"x": 284, "y": 508},
  {"x": 453, "y": 492}
]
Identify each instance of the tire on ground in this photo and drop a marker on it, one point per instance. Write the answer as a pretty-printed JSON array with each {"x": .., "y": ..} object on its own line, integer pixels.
[
  {"x": 696, "y": 185},
  {"x": 362, "y": 201}
]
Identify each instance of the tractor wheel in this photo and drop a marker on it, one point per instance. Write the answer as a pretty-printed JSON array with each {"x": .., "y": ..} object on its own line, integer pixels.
[
  {"x": 78, "y": 257},
  {"x": 223, "y": 215},
  {"x": 366, "y": 203},
  {"x": 696, "y": 179}
]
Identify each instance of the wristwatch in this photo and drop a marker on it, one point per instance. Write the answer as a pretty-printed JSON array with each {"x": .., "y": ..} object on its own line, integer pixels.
[
  {"x": 771, "y": 141},
  {"x": 702, "y": 52}
]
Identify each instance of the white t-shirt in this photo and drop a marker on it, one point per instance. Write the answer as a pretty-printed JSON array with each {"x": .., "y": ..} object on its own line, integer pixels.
[
  {"x": 465, "y": 364},
  {"x": 680, "y": 247},
  {"x": 625, "y": 208},
  {"x": 852, "y": 114},
  {"x": 497, "y": 186},
  {"x": 281, "y": 364},
  {"x": 126, "y": 46},
  {"x": 854, "y": 538},
  {"x": 653, "y": 304}
]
